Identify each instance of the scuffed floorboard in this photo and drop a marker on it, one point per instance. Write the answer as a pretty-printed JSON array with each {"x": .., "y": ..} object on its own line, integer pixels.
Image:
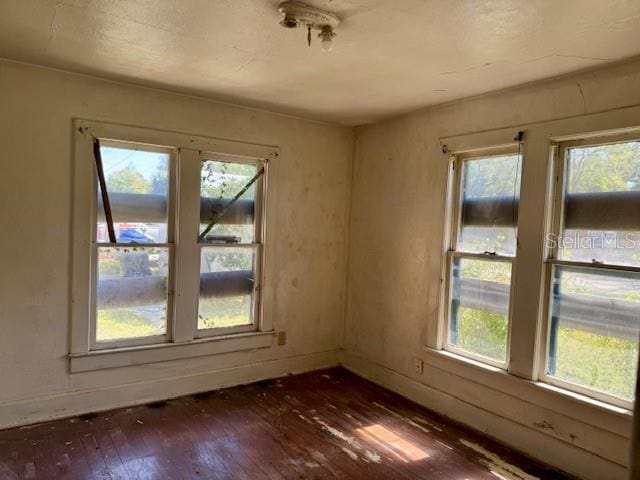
[{"x": 327, "y": 424}]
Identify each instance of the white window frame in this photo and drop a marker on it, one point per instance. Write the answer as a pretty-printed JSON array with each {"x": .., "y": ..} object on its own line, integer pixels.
[
  {"x": 524, "y": 376},
  {"x": 182, "y": 339},
  {"x": 452, "y": 233},
  {"x": 94, "y": 344},
  {"x": 559, "y": 151}
]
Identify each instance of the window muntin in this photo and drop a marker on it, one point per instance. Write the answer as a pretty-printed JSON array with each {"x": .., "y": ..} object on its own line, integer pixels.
[
  {"x": 593, "y": 319},
  {"x": 481, "y": 257},
  {"x": 231, "y": 251},
  {"x": 132, "y": 304}
]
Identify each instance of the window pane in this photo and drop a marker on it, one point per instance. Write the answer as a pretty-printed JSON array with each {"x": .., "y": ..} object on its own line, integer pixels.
[
  {"x": 602, "y": 205},
  {"x": 226, "y": 287},
  {"x": 480, "y": 307},
  {"x": 220, "y": 182},
  {"x": 132, "y": 292},
  {"x": 138, "y": 185},
  {"x": 594, "y": 328},
  {"x": 490, "y": 196}
]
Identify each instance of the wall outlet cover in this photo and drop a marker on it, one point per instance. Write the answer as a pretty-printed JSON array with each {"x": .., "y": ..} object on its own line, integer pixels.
[{"x": 419, "y": 366}]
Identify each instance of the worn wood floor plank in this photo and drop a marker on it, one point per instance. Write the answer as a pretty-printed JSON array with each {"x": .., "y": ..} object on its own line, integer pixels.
[{"x": 322, "y": 425}]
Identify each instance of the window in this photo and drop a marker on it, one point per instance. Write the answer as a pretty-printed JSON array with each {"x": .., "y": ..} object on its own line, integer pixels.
[
  {"x": 544, "y": 285},
  {"x": 481, "y": 254},
  {"x": 230, "y": 244},
  {"x": 594, "y": 269},
  {"x": 132, "y": 303},
  {"x": 169, "y": 234}
]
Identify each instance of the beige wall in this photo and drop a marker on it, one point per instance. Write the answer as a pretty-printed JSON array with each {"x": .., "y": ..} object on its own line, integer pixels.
[
  {"x": 37, "y": 106},
  {"x": 395, "y": 255}
]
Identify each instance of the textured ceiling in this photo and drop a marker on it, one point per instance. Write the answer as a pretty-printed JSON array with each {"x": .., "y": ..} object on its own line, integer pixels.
[{"x": 390, "y": 56}]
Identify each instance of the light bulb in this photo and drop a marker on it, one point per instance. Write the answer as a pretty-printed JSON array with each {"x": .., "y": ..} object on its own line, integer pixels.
[
  {"x": 326, "y": 45},
  {"x": 326, "y": 35}
]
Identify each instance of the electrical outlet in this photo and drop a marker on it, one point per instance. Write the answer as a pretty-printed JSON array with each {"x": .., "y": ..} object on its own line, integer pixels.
[
  {"x": 282, "y": 338},
  {"x": 419, "y": 366}
]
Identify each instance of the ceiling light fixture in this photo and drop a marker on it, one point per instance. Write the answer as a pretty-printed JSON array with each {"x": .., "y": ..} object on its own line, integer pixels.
[{"x": 296, "y": 14}]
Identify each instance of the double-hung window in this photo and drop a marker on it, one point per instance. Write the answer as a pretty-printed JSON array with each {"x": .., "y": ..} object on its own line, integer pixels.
[
  {"x": 133, "y": 302},
  {"x": 230, "y": 243},
  {"x": 557, "y": 302},
  {"x": 481, "y": 254},
  {"x": 169, "y": 234},
  {"x": 593, "y": 274}
]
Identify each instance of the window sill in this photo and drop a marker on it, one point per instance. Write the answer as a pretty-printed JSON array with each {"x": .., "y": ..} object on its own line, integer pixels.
[
  {"x": 140, "y": 355},
  {"x": 580, "y": 407}
]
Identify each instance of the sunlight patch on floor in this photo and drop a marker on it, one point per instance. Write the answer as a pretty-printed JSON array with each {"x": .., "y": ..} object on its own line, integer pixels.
[{"x": 393, "y": 443}]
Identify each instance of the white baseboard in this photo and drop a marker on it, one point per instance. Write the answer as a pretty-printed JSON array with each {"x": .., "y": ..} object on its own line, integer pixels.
[
  {"x": 80, "y": 402},
  {"x": 529, "y": 441}
]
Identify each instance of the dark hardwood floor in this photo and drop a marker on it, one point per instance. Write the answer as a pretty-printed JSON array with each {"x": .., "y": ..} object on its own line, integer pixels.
[{"x": 327, "y": 424}]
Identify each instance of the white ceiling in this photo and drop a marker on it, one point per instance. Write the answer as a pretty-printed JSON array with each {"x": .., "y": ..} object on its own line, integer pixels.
[{"x": 390, "y": 56}]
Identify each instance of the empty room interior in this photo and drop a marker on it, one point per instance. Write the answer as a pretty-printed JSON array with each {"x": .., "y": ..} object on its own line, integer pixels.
[{"x": 352, "y": 239}]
